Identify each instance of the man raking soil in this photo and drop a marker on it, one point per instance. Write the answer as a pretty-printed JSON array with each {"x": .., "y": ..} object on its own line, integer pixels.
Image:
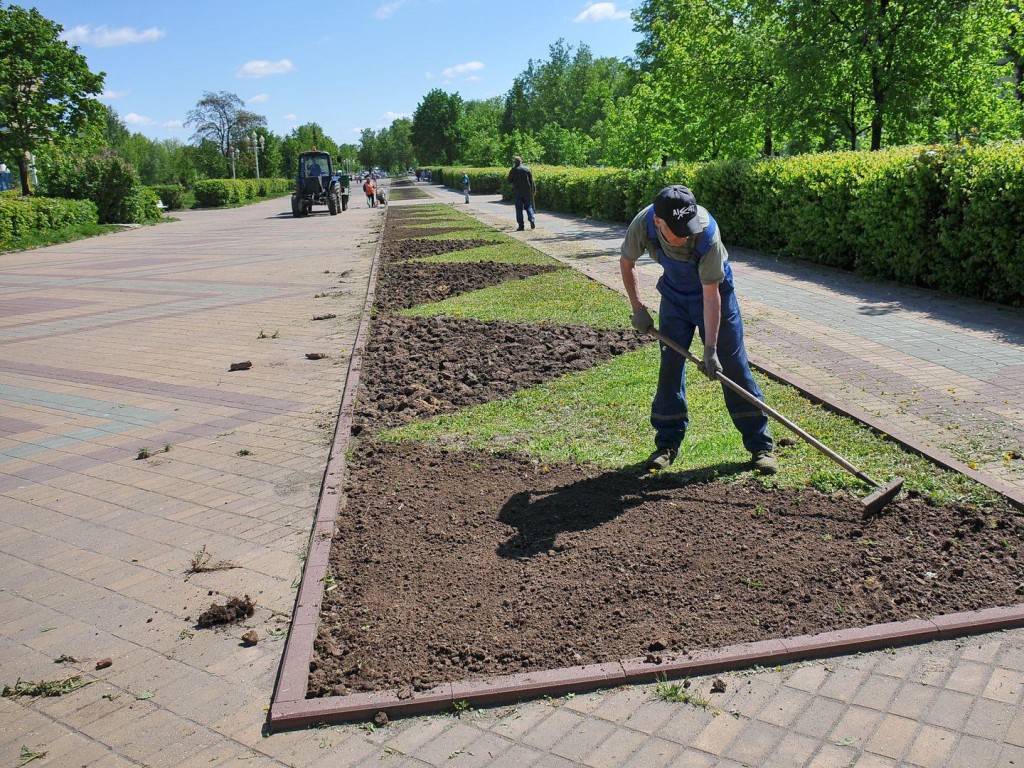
[{"x": 697, "y": 294}]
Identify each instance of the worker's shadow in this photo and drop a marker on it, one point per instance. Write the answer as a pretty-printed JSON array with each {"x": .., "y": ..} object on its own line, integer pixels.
[{"x": 540, "y": 516}]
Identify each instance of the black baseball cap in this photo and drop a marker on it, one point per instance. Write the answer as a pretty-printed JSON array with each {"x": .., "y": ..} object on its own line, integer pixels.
[{"x": 677, "y": 207}]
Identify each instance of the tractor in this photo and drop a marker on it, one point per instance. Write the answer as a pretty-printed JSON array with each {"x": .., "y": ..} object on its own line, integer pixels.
[{"x": 318, "y": 184}]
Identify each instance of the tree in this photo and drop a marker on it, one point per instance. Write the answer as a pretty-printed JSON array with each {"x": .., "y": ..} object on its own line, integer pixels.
[
  {"x": 480, "y": 131},
  {"x": 45, "y": 86},
  {"x": 220, "y": 118},
  {"x": 435, "y": 127}
]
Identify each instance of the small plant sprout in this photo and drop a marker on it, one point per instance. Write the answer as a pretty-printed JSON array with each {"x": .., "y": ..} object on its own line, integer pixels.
[
  {"x": 760, "y": 510},
  {"x": 244, "y": 452},
  {"x": 28, "y": 755},
  {"x": 142, "y": 454},
  {"x": 45, "y": 687},
  {"x": 186, "y": 634},
  {"x": 677, "y": 693},
  {"x": 167, "y": 447},
  {"x": 460, "y": 707},
  {"x": 262, "y": 335},
  {"x": 201, "y": 563}
]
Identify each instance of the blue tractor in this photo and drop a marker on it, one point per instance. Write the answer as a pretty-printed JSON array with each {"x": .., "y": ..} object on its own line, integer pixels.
[{"x": 319, "y": 184}]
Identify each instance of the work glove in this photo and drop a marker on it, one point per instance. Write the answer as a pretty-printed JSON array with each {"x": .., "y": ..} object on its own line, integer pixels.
[
  {"x": 641, "y": 319},
  {"x": 712, "y": 367}
]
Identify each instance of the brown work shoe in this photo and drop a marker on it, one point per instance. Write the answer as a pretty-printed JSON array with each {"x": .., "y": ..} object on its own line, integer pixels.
[
  {"x": 662, "y": 458},
  {"x": 765, "y": 462}
]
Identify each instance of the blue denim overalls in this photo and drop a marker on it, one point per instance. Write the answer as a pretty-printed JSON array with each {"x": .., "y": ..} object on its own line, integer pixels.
[{"x": 682, "y": 311}]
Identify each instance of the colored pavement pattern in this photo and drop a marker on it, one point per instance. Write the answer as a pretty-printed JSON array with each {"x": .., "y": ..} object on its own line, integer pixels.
[{"x": 129, "y": 453}]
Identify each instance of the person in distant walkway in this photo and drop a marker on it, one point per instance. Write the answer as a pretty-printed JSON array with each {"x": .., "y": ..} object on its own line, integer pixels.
[
  {"x": 5, "y": 178},
  {"x": 697, "y": 294},
  {"x": 465, "y": 186},
  {"x": 371, "y": 193},
  {"x": 523, "y": 189}
]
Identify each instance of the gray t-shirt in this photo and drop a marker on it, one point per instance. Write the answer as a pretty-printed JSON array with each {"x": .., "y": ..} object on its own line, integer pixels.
[{"x": 710, "y": 266}]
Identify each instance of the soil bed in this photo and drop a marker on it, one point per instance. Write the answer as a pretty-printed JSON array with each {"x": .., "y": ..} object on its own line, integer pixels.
[
  {"x": 411, "y": 284},
  {"x": 462, "y": 565},
  {"x": 415, "y": 368}
]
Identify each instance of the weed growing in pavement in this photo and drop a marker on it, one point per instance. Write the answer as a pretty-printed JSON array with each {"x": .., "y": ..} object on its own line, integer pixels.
[
  {"x": 142, "y": 454},
  {"x": 677, "y": 693},
  {"x": 186, "y": 634},
  {"x": 460, "y": 707},
  {"x": 244, "y": 452},
  {"x": 167, "y": 447},
  {"x": 28, "y": 755},
  {"x": 65, "y": 659},
  {"x": 45, "y": 687}
]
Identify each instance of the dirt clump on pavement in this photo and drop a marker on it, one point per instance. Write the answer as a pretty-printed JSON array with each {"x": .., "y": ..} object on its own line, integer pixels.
[{"x": 234, "y": 610}]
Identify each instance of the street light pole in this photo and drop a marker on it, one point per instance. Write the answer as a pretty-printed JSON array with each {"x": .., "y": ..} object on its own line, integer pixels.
[
  {"x": 233, "y": 151},
  {"x": 257, "y": 144}
]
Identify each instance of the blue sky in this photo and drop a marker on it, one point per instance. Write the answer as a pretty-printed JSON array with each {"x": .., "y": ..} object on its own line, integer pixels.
[{"x": 347, "y": 64}]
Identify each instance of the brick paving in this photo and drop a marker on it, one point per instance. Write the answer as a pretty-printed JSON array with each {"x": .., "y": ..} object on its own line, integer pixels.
[{"x": 120, "y": 343}]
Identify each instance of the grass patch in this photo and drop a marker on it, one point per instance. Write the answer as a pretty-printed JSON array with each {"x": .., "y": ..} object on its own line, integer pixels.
[
  {"x": 510, "y": 252},
  {"x": 563, "y": 297},
  {"x": 57, "y": 236},
  {"x": 601, "y": 416}
]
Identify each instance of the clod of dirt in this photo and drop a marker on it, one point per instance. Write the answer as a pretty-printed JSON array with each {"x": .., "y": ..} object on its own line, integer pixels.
[
  {"x": 718, "y": 686},
  {"x": 380, "y": 719},
  {"x": 250, "y": 638},
  {"x": 104, "y": 663},
  {"x": 328, "y": 316},
  {"x": 245, "y": 365},
  {"x": 235, "y": 610},
  {"x": 315, "y": 355}
]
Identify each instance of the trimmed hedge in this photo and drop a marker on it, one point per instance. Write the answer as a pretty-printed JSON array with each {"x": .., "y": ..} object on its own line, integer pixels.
[
  {"x": 214, "y": 193},
  {"x": 21, "y": 216},
  {"x": 171, "y": 195},
  {"x": 946, "y": 217}
]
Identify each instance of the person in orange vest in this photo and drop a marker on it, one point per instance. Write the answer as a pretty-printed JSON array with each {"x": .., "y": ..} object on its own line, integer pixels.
[{"x": 371, "y": 193}]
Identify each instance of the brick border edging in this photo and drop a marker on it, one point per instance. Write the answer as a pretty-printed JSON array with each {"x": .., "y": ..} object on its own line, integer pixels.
[
  {"x": 291, "y": 709},
  {"x": 293, "y": 674},
  {"x": 510, "y": 689}
]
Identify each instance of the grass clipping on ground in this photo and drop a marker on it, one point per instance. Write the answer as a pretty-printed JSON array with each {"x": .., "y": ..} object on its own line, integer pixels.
[{"x": 601, "y": 416}]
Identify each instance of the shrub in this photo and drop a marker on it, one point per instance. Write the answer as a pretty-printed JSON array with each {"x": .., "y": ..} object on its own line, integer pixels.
[
  {"x": 171, "y": 195},
  {"x": 111, "y": 183},
  {"x": 23, "y": 216}
]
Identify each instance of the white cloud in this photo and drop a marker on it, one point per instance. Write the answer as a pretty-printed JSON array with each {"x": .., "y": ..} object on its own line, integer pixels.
[
  {"x": 387, "y": 10},
  {"x": 601, "y": 12},
  {"x": 291, "y": 117},
  {"x": 474, "y": 79},
  {"x": 173, "y": 125},
  {"x": 390, "y": 117},
  {"x": 133, "y": 119},
  {"x": 259, "y": 98},
  {"x": 462, "y": 69},
  {"x": 107, "y": 37},
  {"x": 262, "y": 68},
  {"x": 109, "y": 95}
]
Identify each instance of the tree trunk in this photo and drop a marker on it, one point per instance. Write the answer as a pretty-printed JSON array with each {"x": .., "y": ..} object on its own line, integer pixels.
[
  {"x": 878, "y": 109},
  {"x": 26, "y": 182},
  {"x": 767, "y": 150}
]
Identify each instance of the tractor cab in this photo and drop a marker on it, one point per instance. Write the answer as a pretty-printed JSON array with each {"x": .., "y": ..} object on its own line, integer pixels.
[{"x": 317, "y": 184}]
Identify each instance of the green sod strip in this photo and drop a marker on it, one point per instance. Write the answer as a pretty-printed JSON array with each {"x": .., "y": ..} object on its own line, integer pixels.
[
  {"x": 505, "y": 253},
  {"x": 601, "y": 416},
  {"x": 564, "y": 297}
]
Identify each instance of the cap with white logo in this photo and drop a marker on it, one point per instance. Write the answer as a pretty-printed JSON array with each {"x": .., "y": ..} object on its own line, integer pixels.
[{"x": 677, "y": 207}]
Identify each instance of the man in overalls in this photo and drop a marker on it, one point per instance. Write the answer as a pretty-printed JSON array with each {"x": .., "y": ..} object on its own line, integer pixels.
[{"x": 696, "y": 294}]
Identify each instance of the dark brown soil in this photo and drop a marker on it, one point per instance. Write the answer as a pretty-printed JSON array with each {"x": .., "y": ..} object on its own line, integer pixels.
[
  {"x": 234, "y": 610},
  {"x": 455, "y": 565},
  {"x": 414, "y": 248},
  {"x": 407, "y": 193},
  {"x": 416, "y": 283},
  {"x": 416, "y": 368}
]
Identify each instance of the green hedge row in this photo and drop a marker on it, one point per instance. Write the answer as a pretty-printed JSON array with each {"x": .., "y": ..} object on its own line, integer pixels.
[
  {"x": 948, "y": 218},
  {"x": 171, "y": 195},
  {"x": 21, "y": 216},
  {"x": 214, "y": 193}
]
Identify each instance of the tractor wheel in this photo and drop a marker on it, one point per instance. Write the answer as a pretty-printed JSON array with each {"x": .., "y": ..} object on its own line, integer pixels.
[
  {"x": 344, "y": 202},
  {"x": 307, "y": 209},
  {"x": 296, "y": 208},
  {"x": 333, "y": 203}
]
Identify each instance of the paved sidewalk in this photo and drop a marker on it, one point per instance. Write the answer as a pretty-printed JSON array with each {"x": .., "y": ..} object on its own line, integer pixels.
[{"x": 119, "y": 343}]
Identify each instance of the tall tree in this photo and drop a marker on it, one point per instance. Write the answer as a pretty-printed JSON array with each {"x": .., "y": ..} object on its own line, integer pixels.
[
  {"x": 46, "y": 87},
  {"x": 221, "y": 119},
  {"x": 435, "y": 127}
]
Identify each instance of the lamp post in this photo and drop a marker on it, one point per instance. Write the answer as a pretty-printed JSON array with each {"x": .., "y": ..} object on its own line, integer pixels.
[
  {"x": 233, "y": 153},
  {"x": 257, "y": 143}
]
